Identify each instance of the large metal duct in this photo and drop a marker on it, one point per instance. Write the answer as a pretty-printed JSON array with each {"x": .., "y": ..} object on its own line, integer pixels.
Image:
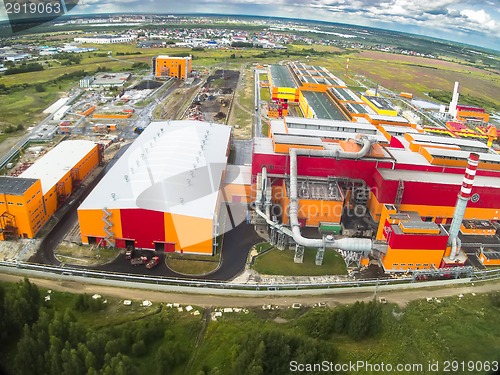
[
  {"x": 463, "y": 198},
  {"x": 348, "y": 244}
]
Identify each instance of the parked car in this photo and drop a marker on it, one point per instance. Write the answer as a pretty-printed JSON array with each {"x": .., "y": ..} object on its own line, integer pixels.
[
  {"x": 129, "y": 254},
  {"x": 153, "y": 262},
  {"x": 138, "y": 261}
]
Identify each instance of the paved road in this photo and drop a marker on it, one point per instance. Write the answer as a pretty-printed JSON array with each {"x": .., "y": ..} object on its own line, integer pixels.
[
  {"x": 243, "y": 151},
  {"x": 237, "y": 243},
  {"x": 205, "y": 298}
]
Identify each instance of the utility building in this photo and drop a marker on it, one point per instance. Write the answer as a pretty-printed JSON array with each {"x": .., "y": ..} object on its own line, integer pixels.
[
  {"x": 164, "y": 193},
  {"x": 168, "y": 66}
]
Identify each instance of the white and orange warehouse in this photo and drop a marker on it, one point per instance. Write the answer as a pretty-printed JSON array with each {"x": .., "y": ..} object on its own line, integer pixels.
[{"x": 165, "y": 192}]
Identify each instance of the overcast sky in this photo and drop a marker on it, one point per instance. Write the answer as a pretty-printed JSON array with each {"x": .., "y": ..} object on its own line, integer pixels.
[{"x": 475, "y": 22}]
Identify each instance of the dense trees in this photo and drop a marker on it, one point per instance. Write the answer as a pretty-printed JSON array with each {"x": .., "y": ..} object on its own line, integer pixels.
[
  {"x": 359, "y": 321},
  {"x": 32, "y": 67},
  {"x": 50, "y": 341},
  {"x": 270, "y": 352}
]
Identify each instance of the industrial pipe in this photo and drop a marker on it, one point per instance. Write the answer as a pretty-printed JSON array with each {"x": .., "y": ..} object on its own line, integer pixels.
[
  {"x": 348, "y": 244},
  {"x": 463, "y": 198}
]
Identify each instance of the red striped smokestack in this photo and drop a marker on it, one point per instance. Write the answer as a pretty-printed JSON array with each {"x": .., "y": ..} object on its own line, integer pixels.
[
  {"x": 470, "y": 173},
  {"x": 463, "y": 197}
]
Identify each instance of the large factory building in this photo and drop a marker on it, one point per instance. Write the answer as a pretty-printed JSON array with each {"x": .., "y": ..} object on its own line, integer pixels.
[
  {"x": 164, "y": 193},
  {"x": 29, "y": 200},
  {"x": 324, "y": 173},
  {"x": 318, "y": 94}
]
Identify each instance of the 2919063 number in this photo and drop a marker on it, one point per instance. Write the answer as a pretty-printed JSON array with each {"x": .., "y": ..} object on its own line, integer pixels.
[
  {"x": 30, "y": 8},
  {"x": 470, "y": 366}
]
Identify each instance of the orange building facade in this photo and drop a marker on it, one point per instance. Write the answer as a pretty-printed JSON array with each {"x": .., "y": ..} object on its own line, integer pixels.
[
  {"x": 27, "y": 202},
  {"x": 169, "y": 66}
]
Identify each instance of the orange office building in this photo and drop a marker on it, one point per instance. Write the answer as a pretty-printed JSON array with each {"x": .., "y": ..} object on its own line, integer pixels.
[{"x": 169, "y": 66}]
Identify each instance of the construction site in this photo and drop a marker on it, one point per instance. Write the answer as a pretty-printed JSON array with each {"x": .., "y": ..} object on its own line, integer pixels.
[{"x": 213, "y": 102}]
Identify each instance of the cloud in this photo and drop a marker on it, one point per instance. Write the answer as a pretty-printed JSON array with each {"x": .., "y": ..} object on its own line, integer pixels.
[
  {"x": 481, "y": 18},
  {"x": 450, "y": 18}
]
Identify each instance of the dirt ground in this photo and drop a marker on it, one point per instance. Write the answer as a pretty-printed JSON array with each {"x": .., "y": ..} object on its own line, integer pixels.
[
  {"x": 172, "y": 107},
  {"x": 242, "y": 122},
  {"x": 212, "y": 103},
  {"x": 6, "y": 145},
  {"x": 399, "y": 297}
]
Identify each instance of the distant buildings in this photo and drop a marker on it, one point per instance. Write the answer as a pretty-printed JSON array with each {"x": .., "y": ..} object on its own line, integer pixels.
[
  {"x": 104, "y": 80},
  {"x": 13, "y": 55},
  {"x": 106, "y": 39}
]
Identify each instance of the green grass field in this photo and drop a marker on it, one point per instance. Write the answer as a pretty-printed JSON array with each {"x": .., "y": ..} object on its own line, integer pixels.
[
  {"x": 421, "y": 333},
  {"x": 193, "y": 264},
  {"x": 461, "y": 330},
  {"x": 265, "y": 94},
  {"x": 25, "y": 107},
  {"x": 276, "y": 262},
  {"x": 84, "y": 254},
  {"x": 265, "y": 129}
]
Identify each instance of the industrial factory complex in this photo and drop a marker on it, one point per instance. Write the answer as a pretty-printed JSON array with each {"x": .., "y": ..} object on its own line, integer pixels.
[
  {"x": 350, "y": 160},
  {"x": 337, "y": 170}
]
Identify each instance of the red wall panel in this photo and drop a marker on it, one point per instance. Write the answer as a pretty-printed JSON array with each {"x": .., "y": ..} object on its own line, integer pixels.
[
  {"x": 431, "y": 194},
  {"x": 321, "y": 167},
  {"x": 279, "y": 163},
  {"x": 417, "y": 241},
  {"x": 144, "y": 226},
  {"x": 120, "y": 243},
  {"x": 419, "y": 193}
]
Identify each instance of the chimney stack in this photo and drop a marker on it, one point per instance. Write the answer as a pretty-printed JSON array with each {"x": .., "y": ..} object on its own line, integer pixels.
[
  {"x": 454, "y": 102},
  {"x": 463, "y": 198}
]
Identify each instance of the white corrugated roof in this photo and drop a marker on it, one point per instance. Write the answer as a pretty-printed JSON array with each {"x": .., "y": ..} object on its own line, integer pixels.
[
  {"x": 446, "y": 140},
  {"x": 174, "y": 166},
  {"x": 389, "y": 118},
  {"x": 399, "y": 129},
  {"x": 324, "y": 123},
  {"x": 263, "y": 145},
  {"x": 238, "y": 175},
  {"x": 459, "y": 154},
  {"x": 51, "y": 167},
  {"x": 54, "y": 107}
]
